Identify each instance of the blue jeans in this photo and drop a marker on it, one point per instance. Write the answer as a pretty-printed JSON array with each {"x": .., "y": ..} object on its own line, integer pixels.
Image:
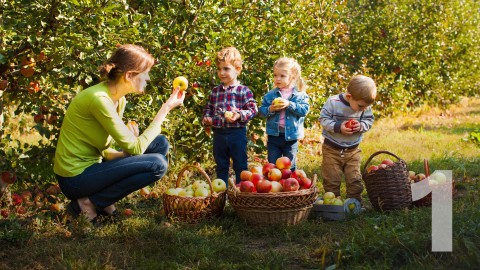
[
  {"x": 230, "y": 143},
  {"x": 278, "y": 147},
  {"x": 108, "y": 182}
]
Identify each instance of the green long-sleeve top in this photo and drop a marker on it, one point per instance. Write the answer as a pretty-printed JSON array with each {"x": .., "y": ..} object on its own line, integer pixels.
[{"x": 90, "y": 124}]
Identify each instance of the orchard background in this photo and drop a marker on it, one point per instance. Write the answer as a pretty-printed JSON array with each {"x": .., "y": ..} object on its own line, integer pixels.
[
  {"x": 417, "y": 51},
  {"x": 423, "y": 55}
]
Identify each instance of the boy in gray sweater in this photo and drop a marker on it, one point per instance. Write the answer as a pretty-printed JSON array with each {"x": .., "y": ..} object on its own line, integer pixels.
[{"x": 344, "y": 118}]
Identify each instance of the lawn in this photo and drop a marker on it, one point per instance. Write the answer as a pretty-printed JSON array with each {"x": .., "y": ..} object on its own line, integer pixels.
[{"x": 372, "y": 240}]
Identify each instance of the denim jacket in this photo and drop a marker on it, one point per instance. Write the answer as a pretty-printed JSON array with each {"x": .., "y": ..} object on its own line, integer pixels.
[{"x": 294, "y": 114}]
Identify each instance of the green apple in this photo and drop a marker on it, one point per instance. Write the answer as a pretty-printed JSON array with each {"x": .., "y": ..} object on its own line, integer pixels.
[
  {"x": 329, "y": 196},
  {"x": 201, "y": 192},
  {"x": 219, "y": 185},
  {"x": 172, "y": 191},
  {"x": 200, "y": 183},
  {"x": 186, "y": 193},
  {"x": 337, "y": 201}
]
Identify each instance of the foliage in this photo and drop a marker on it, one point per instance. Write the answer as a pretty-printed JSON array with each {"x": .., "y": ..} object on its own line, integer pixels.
[{"x": 427, "y": 52}]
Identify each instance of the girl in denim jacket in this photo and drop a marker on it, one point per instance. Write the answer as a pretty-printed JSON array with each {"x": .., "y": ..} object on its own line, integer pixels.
[{"x": 285, "y": 108}]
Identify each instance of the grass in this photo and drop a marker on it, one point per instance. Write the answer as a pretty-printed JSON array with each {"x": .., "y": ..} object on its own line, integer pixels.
[{"x": 373, "y": 240}]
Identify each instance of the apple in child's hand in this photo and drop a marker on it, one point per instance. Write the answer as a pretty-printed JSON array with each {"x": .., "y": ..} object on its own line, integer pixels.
[
  {"x": 182, "y": 83},
  {"x": 350, "y": 124},
  {"x": 264, "y": 186},
  {"x": 266, "y": 168},
  {"x": 277, "y": 101},
  {"x": 219, "y": 185},
  {"x": 291, "y": 184}
]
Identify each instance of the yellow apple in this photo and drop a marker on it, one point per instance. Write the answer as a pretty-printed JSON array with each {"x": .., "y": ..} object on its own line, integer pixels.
[
  {"x": 200, "y": 183},
  {"x": 228, "y": 114},
  {"x": 181, "y": 82},
  {"x": 277, "y": 101},
  {"x": 201, "y": 192},
  {"x": 276, "y": 187},
  {"x": 219, "y": 185},
  {"x": 329, "y": 196},
  {"x": 172, "y": 191},
  {"x": 186, "y": 193}
]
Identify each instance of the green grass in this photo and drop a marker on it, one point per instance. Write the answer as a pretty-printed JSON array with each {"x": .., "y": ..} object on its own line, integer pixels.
[{"x": 373, "y": 240}]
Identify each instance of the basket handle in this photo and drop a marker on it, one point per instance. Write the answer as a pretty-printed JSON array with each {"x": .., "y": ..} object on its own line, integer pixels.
[
  {"x": 202, "y": 171},
  {"x": 376, "y": 154},
  {"x": 426, "y": 167}
]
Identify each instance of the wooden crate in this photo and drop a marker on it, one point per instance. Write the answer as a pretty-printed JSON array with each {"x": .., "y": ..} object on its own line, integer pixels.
[{"x": 329, "y": 212}]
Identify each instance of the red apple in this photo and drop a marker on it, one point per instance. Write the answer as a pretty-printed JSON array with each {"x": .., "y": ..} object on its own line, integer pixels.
[
  {"x": 382, "y": 166},
  {"x": 266, "y": 168},
  {"x": 307, "y": 183},
  {"x": 247, "y": 186},
  {"x": 290, "y": 184},
  {"x": 16, "y": 199},
  {"x": 301, "y": 174},
  {"x": 245, "y": 175},
  {"x": 128, "y": 212},
  {"x": 388, "y": 162},
  {"x": 286, "y": 173},
  {"x": 264, "y": 186},
  {"x": 255, "y": 178},
  {"x": 283, "y": 163},
  {"x": 21, "y": 210},
  {"x": 4, "y": 213},
  {"x": 274, "y": 175},
  {"x": 257, "y": 169},
  {"x": 39, "y": 118},
  {"x": 372, "y": 168},
  {"x": 8, "y": 177}
]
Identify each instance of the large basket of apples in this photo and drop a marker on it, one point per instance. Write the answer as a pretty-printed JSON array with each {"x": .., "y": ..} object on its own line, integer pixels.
[
  {"x": 200, "y": 200},
  {"x": 273, "y": 195},
  {"x": 387, "y": 184}
]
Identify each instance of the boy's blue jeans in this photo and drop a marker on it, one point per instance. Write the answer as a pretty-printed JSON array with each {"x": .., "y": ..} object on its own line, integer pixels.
[
  {"x": 278, "y": 147},
  {"x": 107, "y": 182},
  {"x": 230, "y": 143}
]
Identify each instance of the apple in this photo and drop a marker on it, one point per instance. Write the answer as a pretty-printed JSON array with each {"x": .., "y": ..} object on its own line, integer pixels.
[
  {"x": 276, "y": 187},
  {"x": 34, "y": 87},
  {"x": 39, "y": 118},
  {"x": 274, "y": 175},
  {"x": 154, "y": 194},
  {"x": 257, "y": 169},
  {"x": 388, "y": 162},
  {"x": 228, "y": 114},
  {"x": 27, "y": 68},
  {"x": 199, "y": 184},
  {"x": 411, "y": 175},
  {"x": 264, "y": 186},
  {"x": 439, "y": 177},
  {"x": 245, "y": 175},
  {"x": 8, "y": 177},
  {"x": 172, "y": 191},
  {"x": 180, "y": 82},
  {"x": 372, "y": 168},
  {"x": 283, "y": 163},
  {"x": 286, "y": 173},
  {"x": 4, "y": 213},
  {"x": 382, "y": 166},
  {"x": 307, "y": 183},
  {"x": 187, "y": 192},
  {"x": 301, "y": 174},
  {"x": 144, "y": 192},
  {"x": 329, "y": 195},
  {"x": 3, "y": 84},
  {"x": 419, "y": 177},
  {"x": 319, "y": 201},
  {"x": 56, "y": 207},
  {"x": 52, "y": 190},
  {"x": 266, "y": 168},
  {"x": 128, "y": 212},
  {"x": 247, "y": 186},
  {"x": 277, "y": 101},
  {"x": 16, "y": 199},
  {"x": 219, "y": 185},
  {"x": 21, "y": 210},
  {"x": 255, "y": 178},
  {"x": 26, "y": 195},
  {"x": 337, "y": 201},
  {"x": 350, "y": 123},
  {"x": 291, "y": 184},
  {"x": 202, "y": 192}
]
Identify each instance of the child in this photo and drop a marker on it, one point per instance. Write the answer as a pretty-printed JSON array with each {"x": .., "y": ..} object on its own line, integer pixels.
[
  {"x": 285, "y": 108},
  {"x": 340, "y": 148},
  {"x": 228, "y": 110}
]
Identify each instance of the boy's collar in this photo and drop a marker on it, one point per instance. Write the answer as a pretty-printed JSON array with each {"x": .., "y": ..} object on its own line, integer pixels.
[
  {"x": 237, "y": 83},
  {"x": 343, "y": 100}
]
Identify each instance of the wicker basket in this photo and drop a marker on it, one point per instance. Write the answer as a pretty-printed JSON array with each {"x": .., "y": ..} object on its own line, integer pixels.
[
  {"x": 266, "y": 209},
  {"x": 388, "y": 188},
  {"x": 427, "y": 200},
  {"x": 194, "y": 209}
]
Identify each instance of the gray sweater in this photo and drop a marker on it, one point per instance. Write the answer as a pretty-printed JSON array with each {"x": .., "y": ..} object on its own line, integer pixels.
[{"x": 335, "y": 111}]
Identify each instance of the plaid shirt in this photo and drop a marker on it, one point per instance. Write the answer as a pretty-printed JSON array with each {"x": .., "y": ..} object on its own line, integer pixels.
[{"x": 237, "y": 98}]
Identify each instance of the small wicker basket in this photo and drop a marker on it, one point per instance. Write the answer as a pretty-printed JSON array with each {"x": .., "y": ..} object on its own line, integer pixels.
[
  {"x": 427, "y": 200},
  {"x": 194, "y": 209},
  {"x": 388, "y": 188},
  {"x": 267, "y": 209}
]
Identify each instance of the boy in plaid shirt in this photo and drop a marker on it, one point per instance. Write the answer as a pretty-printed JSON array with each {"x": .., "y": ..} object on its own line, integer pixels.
[{"x": 229, "y": 108}]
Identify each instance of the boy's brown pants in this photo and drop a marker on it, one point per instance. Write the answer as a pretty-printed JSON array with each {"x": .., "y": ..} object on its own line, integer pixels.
[{"x": 337, "y": 162}]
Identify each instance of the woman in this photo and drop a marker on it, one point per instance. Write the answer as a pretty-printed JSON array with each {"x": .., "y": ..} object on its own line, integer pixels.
[{"x": 90, "y": 173}]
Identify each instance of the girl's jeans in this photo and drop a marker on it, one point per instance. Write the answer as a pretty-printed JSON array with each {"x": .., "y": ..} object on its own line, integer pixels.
[
  {"x": 107, "y": 182},
  {"x": 278, "y": 147},
  {"x": 230, "y": 143}
]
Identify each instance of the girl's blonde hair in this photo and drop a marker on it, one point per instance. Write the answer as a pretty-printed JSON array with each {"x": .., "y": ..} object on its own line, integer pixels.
[{"x": 293, "y": 68}]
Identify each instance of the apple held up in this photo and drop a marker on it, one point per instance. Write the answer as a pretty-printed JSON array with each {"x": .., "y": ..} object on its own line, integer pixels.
[{"x": 182, "y": 83}]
